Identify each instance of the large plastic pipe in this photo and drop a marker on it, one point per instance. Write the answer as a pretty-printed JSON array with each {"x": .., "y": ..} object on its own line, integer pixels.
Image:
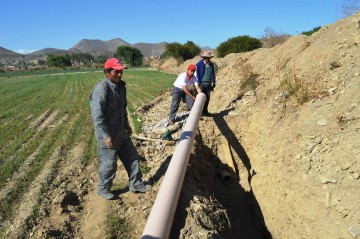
[{"x": 163, "y": 211}]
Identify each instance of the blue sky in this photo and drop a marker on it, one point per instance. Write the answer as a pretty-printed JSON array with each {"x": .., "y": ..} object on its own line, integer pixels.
[{"x": 28, "y": 25}]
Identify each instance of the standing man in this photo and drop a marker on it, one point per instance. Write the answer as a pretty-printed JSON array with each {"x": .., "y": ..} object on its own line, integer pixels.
[
  {"x": 112, "y": 131},
  {"x": 205, "y": 72},
  {"x": 183, "y": 84}
]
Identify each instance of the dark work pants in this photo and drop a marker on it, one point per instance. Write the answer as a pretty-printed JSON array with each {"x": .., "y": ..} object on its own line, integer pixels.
[
  {"x": 206, "y": 89},
  {"x": 108, "y": 164},
  {"x": 176, "y": 98}
]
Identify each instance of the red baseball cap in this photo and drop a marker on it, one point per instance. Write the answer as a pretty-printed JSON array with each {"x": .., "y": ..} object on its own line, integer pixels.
[
  {"x": 115, "y": 64},
  {"x": 192, "y": 67}
]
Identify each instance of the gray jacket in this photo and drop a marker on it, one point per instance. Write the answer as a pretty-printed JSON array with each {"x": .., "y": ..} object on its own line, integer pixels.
[{"x": 108, "y": 112}]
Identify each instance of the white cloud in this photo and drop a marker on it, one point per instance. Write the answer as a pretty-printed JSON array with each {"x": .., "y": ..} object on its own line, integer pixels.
[{"x": 24, "y": 51}]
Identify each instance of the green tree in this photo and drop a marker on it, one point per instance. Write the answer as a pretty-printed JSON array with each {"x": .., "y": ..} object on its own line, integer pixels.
[
  {"x": 101, "y": 59},
  {"x": 173, "y": 49},
  {"x": 181, "y": 52},
  {"x": 41, "y": 62},
  {"x": 81, "y": 58},
  {"x": 238, "y": 44},
  {"x": 130, "y": 55},
  {"x": 58, "y": 60},
  {"x": 190, "y": 50}
]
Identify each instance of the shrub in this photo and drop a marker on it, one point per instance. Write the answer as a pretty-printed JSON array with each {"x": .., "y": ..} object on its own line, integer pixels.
[
  {"x": 130, "y": 55},
  {"x": 101, "y": 59},
  {"x": 117, "y": 226},
  {"x": 293, "y": 86},
  {"x": 41, "y": 62},
  {"x": 79, "y": 59},
  {"x": 181, "y": 52},
  {"x": 58, "y": 61},
  {"x": 238, "y": 44},
  {"x": 309, "y": 33}
]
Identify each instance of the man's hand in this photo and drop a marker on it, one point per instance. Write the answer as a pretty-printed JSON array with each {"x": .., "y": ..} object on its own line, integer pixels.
[
  {"x": 213, "y": 86},
  {"x": 108, "y": 142}
]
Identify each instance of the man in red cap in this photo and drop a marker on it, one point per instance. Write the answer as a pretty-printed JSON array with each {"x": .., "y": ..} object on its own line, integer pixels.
[
  {"x": 182, "y": 87},
  {"x": 112, "y": 130}
]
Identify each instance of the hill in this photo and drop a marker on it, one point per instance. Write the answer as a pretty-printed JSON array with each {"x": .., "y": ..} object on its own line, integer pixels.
[
  {"x": 94, "y": 47},
  {"x": 99, "y": 47},
  {"x": 150, "y": 49},
  {"x": 7, "y": 53},
  {"x": 8, "y": 58},
  {"x": 48, "y": 51}
]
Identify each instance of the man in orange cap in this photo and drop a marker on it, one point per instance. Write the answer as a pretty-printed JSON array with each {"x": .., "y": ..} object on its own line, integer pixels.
[
  {"x": 182, "y": 85},
  {"x": 112, "y": 130}
]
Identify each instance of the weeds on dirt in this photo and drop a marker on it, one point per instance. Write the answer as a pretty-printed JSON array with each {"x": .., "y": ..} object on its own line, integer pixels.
[
  {"x": 144, "y": 167},
  {"x": 135, "y": 119},
  {"x": 249, "y": 77},
  {"x": 117, "y": 227},
  {"x": 12, "y": 199},
  {"x": 291, "y": 85},
  {"x": 250, "y": 83},
  {"x": 89, "y": 151},
  {"x": 31, "y": 220}
]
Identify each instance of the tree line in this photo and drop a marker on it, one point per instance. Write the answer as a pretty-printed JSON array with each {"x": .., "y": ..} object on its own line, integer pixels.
[{"x": 128, "y": 55}]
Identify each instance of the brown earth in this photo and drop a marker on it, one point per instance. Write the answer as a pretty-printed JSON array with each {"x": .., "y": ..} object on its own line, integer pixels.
[
  {"x": 298, "y": 152},
  {"x": 289, "y": 116}
]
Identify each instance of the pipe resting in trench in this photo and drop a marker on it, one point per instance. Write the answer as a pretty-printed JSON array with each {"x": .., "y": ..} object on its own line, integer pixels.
[{"x": 163, "y": 211}]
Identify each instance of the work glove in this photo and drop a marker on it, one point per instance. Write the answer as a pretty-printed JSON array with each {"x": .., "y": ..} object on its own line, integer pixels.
[{"x": 212, "y": 86}]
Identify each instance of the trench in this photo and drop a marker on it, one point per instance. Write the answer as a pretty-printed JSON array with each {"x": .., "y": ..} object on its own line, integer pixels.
[{"x": 203, "y": 179}]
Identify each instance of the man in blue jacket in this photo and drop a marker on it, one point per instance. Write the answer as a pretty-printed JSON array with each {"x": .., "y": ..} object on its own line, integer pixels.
[
  {"x": 112, "y": 130},
  {"x": 205, "y": 73}
]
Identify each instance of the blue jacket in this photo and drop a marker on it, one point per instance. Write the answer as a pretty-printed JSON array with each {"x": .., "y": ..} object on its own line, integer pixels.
[{"x": 200, "y": 71}]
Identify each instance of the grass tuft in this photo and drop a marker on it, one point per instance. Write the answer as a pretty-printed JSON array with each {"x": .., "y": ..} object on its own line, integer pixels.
[{"x": 117, "y": 227}]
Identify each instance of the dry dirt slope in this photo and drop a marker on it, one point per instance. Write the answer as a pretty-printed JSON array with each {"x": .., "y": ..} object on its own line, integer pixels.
[{"x": 303, "y": 158}]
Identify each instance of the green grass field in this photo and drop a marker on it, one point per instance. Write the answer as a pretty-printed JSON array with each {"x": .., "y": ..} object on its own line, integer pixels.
[{"x": 44, "y": 111}]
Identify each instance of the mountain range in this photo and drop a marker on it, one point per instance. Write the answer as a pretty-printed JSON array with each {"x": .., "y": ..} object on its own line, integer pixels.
[{"x": 94, "y": 47}]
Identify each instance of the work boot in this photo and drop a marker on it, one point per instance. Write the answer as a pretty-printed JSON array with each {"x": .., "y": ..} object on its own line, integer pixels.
[
  {"x": 106, "y": 194},
  {"x": 141, "y": 189}
]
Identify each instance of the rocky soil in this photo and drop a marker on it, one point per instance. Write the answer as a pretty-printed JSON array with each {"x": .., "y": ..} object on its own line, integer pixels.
[
  {"x": 291, "y": 117},
  {"x": 287, "y": 116}
]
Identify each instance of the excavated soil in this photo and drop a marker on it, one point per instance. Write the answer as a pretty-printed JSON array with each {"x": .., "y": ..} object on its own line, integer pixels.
[
  {"x": 287, "y": 117},
  {"x": 296, "y": 154}
]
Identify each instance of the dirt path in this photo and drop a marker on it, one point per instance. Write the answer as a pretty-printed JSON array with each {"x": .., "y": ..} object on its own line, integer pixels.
[{"x": 93, "y": 225}]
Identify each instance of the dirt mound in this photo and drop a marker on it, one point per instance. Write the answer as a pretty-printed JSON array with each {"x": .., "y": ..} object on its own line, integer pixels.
[{"x": 291, "y": 116}]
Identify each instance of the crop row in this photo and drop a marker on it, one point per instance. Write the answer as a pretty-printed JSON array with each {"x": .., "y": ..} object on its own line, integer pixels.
[{"x": 40, "y": 113}]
